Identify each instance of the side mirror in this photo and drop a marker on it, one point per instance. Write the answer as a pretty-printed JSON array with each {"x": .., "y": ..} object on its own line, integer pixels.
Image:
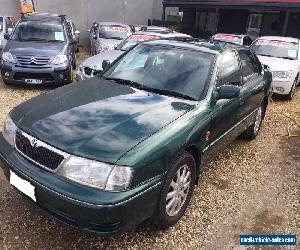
[
  {"x": 228, "y": 92},
  {"x": 105, "y": 64},
  {"x": 7, "y": 36},
  {"x": 265, "y": 67},
  {"x": 73, "y": 41},
  {"x": 10, "y": 31},
  {"x": 77, "y": 32},
  {"x": 95, "y": 37}
]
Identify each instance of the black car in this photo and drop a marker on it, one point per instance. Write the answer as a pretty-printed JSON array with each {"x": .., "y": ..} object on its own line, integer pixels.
[{"x": 41, "y": 50}]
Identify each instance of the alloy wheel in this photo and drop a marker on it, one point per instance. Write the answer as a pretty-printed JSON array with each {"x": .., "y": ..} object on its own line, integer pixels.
[{"x": 178, "y": 191}]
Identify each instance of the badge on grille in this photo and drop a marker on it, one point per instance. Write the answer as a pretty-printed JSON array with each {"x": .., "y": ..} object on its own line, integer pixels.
[{"x": 34, "y": 143}]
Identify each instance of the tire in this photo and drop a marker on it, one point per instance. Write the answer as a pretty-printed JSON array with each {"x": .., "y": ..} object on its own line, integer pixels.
[
  {"x": 290, "y": 96},
  {"x": 74, "y": 62},
  {"x": 252, "y": 132},
  {"x": 169, "y": 210}
]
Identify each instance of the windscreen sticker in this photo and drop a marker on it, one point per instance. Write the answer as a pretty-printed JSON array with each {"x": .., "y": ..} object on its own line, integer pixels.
[
  {"x": 59, "y": 36},
  {"x": 292, "y": 53},
  {"x": 116, "y": 29},
  {"x": 142, "y": 38},
  {"x": 281, "y": 44},
  {"x": 226, "y": 38}
]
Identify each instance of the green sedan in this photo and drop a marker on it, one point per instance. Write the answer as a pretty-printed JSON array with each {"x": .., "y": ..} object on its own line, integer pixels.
[{"x": 108, "y": 153}]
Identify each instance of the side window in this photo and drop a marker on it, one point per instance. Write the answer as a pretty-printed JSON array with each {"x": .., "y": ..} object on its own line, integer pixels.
[
  {"x": 9, "y": 24},
  {"x": 250, "y": 65},
  {"x": 229, "y": 70},
  {"x": 69, "y": 30}
]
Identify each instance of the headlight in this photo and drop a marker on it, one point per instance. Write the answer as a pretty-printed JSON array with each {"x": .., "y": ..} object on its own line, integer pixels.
[
  {"x": 282, "y": 74},
  {"x": 8, "y": 57},
  {"x": 9, "y": 131},
  {"x": 60, "y": 59},
  {"x": 102, "y": 48},
  {"x": 96, "y": 174}
]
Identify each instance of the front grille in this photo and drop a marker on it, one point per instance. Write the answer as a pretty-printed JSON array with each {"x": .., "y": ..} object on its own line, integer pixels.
[
  {"x": 40, "y": 76},
  {"x": 33, "y": 61},
  {"x": 37, "y": 151},
  {"x": 91, "y": 72}
]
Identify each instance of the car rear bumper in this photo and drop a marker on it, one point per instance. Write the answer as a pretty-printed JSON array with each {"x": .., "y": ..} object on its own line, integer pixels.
[
  {"x": 14, "y": 74},
  {"x": 79, "y": 206}
]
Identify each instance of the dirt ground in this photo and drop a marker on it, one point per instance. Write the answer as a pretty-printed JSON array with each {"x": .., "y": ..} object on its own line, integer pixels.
[{"x": 251, "y": 188}]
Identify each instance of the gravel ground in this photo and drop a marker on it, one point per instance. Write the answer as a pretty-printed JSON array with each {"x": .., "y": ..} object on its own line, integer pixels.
[{"x": 251, "y": 188}]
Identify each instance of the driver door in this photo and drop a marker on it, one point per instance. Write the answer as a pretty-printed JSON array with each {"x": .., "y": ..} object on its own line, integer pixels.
[{"x": 224, "y": 113}]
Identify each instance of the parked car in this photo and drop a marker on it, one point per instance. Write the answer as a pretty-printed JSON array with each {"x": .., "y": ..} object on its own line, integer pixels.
[
  {"x": 281, "y": 54},
  {"x": 41, "y": 50},
  {"x": 107, "y": 35},
  {"x": 128, "y": 146},
  {"x": 94, "y": 65},
  {"x": 233, "y": 38},
  {"x": 6, "y": 27}
]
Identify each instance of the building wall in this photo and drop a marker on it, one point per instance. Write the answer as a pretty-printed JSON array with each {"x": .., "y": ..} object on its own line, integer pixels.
[{"x": 85, "y": 12}]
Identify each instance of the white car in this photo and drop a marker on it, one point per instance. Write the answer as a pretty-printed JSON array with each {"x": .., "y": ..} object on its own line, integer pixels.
[
  {"x": 281, "y": 54},
  {"x": 92, "y": 66}
]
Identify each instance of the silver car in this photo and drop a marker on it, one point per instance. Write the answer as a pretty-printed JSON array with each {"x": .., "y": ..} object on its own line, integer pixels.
[
  {"x": 93, "y": 65},
  {"x": 6, "y": 27},
  {"x": 107, "y": 35}
]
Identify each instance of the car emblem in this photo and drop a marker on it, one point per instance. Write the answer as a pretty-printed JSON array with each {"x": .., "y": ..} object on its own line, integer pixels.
[
  {"x": 34, "y": 143},
  {"x": 33, "y": 60}
]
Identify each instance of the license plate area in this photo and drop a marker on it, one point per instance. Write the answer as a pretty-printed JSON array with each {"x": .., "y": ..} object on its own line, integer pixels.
[
  {"x": 22, "y": 185},
  {"x": 33, "y": 81}
]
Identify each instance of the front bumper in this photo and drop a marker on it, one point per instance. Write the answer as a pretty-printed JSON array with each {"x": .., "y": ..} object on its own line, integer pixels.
[
  {"x": 282, "y": 86},
  {"x": 82, "y": 207},
  {"x": 49, "y": 75}
]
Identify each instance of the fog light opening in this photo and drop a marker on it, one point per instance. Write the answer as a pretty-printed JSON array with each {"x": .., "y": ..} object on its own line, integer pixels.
[{"x": 280, "y": 89}]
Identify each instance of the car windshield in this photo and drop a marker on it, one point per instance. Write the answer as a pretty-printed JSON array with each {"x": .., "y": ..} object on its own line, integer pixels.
[
  {"x": 1, "y": 24},
  {"x": 228, "y": 38},
  {"x": 165, "y": 70},
  {"x": 39, "y": 31},
  {"x": 114, "y": 32},
  {"x": 134, "y": 40},
  {"x": 272, "y": 48}
]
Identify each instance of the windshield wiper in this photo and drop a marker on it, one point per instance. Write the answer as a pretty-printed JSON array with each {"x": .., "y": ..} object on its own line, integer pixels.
[
  {"x": 34, "y": 39},
  {"x": 116, "y": 38},
  {"x": 53, "y": 41},
  {"x": 170, "y": 93},
  {"x": 149, "y": 89}
]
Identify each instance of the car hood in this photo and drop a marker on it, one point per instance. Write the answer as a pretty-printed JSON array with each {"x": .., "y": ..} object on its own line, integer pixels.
[
  {"x": 95, "y": 62},
  {"x": 97, "y": 119},
  {"x": 279, "y": 64},
  {"x": 111, "y": 43},
  {"x": 34, "y": 48}
]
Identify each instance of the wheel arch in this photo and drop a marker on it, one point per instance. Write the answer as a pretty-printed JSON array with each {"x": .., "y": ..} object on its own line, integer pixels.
[{"x": 195, "y": 152}]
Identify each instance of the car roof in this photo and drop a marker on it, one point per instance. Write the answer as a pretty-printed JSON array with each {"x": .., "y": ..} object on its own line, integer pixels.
[
  {"x": 43, "y": 17},
  {"x": 208, "y": 47},
  {"x": 111, "y": 23},
  {"x": 280, "y": 38}
]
